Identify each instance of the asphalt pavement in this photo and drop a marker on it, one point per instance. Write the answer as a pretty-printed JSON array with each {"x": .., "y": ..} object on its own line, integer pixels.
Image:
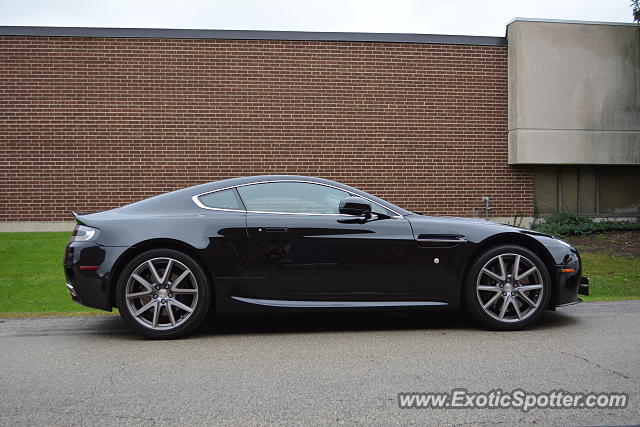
[{"x": 314, "y": 370}]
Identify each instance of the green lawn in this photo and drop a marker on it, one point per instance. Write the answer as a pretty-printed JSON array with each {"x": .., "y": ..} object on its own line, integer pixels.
[
  {"x": 32, "y": 279},
  {"x": 31, "y": 275},
  {"x": 612, "y": 277}
]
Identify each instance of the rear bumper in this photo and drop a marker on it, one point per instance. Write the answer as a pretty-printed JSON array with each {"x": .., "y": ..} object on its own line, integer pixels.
[{"x": 87, "y": 268}]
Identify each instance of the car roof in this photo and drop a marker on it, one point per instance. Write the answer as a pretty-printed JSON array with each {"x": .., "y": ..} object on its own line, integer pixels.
[
  {"x": 233, "y": 182},
  {"x": 169, "y": 201}
]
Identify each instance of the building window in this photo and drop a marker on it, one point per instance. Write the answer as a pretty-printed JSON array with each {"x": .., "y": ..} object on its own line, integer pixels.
[{"x": 606, "y": 191}]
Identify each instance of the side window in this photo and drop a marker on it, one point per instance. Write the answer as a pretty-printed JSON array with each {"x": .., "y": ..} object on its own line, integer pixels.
[
  {"x": 292, "y": 197},
  {"x": 225, "y": 199},
  {"x": 376, "y": 209}
]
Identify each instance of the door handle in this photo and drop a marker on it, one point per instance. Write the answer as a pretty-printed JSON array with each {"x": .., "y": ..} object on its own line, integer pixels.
[{"x": 274, "y": 229}]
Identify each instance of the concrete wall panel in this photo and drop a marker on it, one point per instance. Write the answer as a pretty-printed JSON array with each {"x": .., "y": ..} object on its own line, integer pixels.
[{"x": 574, "y": 93}]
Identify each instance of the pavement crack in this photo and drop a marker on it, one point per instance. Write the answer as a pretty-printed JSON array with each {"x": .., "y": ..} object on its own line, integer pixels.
[
  {"x": 113, "y": 373},
  {"x": 584, "y": 359},
  {"x": 91, "y": 394},
  {"x": 136, "y": 418}
]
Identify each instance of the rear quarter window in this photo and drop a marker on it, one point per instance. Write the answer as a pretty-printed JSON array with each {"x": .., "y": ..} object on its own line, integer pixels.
[{"x": 225, "y": 199}]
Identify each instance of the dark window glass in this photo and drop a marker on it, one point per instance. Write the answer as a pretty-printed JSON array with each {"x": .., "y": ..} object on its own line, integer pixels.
[
  {"x": 225, "y": 199},
  {"x": 546, "y": 189},
  {"x": 587, "y": 190},
  {"x": 619, "y": 191}
]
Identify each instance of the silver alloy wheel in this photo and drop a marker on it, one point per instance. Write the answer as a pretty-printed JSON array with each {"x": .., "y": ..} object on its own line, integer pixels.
[
  {"x": 161, "y": 293},
  {"x": 510, "y": 287}
]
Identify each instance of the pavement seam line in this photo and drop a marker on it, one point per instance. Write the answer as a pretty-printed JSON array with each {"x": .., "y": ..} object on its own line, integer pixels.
[{"x": 587, "y": 361}]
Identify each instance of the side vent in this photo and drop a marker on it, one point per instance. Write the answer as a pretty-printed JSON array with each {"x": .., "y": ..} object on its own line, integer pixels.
[{"x": 440, "y": 240}]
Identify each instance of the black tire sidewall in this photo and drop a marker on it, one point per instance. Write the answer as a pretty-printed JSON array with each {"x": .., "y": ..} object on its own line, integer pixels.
[
  {"x": 199, "y": 313},
  {"x": 472, "y": 305}
]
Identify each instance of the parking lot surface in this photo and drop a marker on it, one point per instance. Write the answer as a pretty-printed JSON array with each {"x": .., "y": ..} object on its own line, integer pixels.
[{"x": 315, "y": 369}]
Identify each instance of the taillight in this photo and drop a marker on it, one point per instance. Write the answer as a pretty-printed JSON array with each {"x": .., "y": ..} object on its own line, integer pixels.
[{"x": 82, "y": 233}]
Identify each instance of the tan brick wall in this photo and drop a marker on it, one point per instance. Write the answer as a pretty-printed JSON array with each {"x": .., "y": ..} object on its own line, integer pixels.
[{"x": 94, "y": 123}]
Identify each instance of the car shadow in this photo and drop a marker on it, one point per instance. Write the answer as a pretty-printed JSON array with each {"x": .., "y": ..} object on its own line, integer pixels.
[
  {"x": 367, "y": 321},
  {"x": 361, "y": 322}
]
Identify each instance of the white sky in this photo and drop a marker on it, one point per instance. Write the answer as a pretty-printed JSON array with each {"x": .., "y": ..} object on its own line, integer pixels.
[{"x": 469, "y": 17}]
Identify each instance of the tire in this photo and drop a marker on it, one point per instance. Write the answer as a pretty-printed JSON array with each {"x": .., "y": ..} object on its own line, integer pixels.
[
  {"x": 161, "y": 306},
  {"x": 497, "y": 297}
]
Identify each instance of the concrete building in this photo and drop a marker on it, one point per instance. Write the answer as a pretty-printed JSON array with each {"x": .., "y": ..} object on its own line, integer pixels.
[
  {"x": 542, "y": 121},
  {"x": 574, "y": 114}
]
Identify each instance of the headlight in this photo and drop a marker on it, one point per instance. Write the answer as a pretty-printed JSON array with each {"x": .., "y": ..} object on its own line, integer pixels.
[
  {"x": 567, "y": 244},
  {"x": 82, "y": 233}
]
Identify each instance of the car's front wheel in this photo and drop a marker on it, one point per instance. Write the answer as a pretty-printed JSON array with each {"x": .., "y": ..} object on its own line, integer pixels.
[
  {"x": 507, "y": 288},
  {"x": 163, "y": 293}
]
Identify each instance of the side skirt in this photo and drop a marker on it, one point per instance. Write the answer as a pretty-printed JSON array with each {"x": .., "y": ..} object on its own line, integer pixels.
[
  {"x": 337, "y": 304},
  {"x": 577, "y": 301}
]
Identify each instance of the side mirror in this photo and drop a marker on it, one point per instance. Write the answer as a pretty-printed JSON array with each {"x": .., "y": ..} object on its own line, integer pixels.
[{"x": 355, "y": 206}]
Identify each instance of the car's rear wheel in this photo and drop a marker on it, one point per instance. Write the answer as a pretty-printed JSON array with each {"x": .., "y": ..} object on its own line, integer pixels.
[
  {"x": 507, "y": 288},
  {"x": 163, "y": 293}
]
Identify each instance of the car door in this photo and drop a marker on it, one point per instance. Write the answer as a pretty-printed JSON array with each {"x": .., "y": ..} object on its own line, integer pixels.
[{"x": 308, "y": 250}]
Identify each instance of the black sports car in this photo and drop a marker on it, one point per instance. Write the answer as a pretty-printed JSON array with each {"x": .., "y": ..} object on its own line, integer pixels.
[{"x": 298, "y": 243}]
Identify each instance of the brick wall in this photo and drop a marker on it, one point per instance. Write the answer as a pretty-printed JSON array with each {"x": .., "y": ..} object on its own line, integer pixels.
[{"x": 94, "y": 123}]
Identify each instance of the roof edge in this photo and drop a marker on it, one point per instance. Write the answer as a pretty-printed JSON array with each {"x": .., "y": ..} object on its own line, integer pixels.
[
  {"x": 568, "y": 21},
  {"x": 167, "y": 33}
]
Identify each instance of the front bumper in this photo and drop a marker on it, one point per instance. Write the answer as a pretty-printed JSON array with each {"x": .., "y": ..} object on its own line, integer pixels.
[
  {"x": 567, "y": 271},
  {"x": 583, "y": 287},
  {"x": 569, "y": 279},
  {"x": 87, "y": 268}
]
